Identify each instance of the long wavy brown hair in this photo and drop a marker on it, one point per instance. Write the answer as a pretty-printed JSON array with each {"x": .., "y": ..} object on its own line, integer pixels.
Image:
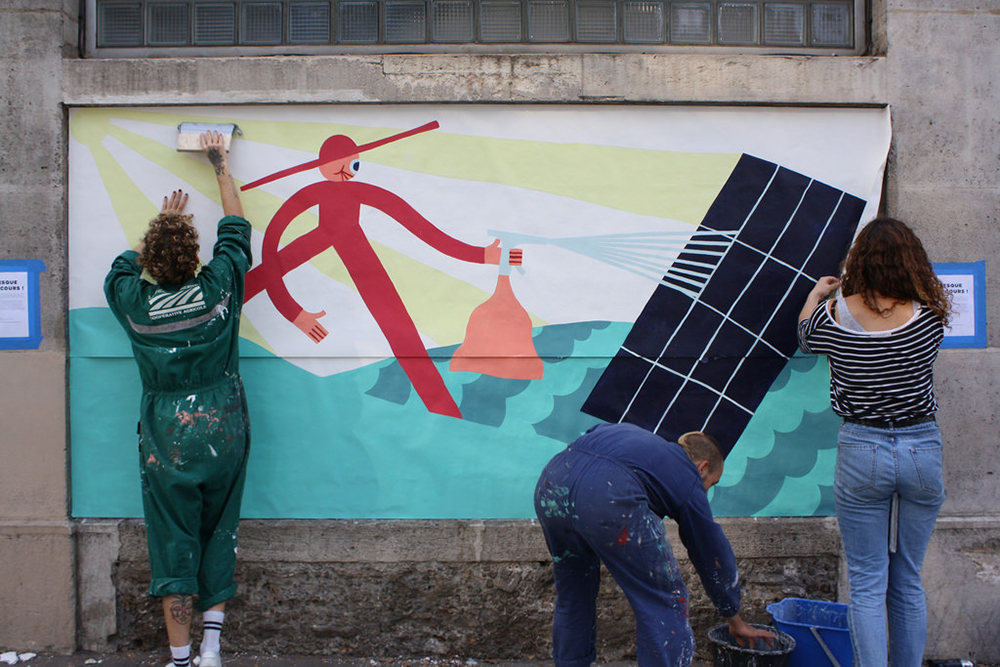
[
  {"x": 171, "y": 248},
  {"x": 888, "y": 260}
]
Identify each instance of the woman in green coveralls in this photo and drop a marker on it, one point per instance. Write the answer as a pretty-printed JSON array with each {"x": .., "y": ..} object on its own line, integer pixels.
[{"x": 183, "y": 322}]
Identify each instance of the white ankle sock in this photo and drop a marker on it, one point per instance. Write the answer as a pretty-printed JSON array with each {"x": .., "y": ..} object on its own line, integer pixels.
[
  {"x": 213, "y": 629},
  {"x": 181, "y": 655}
]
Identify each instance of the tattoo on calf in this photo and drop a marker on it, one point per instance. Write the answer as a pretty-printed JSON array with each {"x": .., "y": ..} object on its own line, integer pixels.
[{"x": 181, "y": 609}]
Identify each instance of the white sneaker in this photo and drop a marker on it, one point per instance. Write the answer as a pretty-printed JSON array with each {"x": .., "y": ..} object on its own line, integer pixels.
[{"x": 208, "y": 659}]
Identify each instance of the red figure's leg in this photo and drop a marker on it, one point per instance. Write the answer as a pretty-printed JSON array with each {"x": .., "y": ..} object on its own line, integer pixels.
[{"x": 383, "y": 301}]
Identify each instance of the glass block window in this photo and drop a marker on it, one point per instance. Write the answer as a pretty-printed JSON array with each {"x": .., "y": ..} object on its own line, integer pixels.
[
  {"x": 405, "y": 21},
  {"x": 548, "y": 21},
  {"x": 453, "y": 21},
  {"x": 691, "y": 22},
  {"x": 784, "y": 24},
  {"x": 357, "y": 22},
  {"x": 215, "y": 24},
  {"x": 318, "y": 26},
  {"x": 309, "y": 22},
  {"x": 831, "y": 24},
  {"x": 261, "y": 23},
  {"x": 643, "y": 22},
  {"x": 167, "y": 24},
  {"x": 119, "y": 24},
  {"x": 738, "y": 23},
  {"x": 500, "y": 21},
  {"x": 597, "y": 21}
]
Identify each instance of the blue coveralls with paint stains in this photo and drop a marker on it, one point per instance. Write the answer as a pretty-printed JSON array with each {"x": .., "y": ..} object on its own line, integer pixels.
[
  {"x": 603, "y": 499},
  {"x": 194, "y": 434}
]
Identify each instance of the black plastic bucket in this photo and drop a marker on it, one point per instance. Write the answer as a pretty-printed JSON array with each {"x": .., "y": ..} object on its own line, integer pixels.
[{"x": 727, "y": 653}]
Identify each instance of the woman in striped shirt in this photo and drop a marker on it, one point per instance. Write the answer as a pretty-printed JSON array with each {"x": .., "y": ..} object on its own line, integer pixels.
[{"x": 881, "y": 334}]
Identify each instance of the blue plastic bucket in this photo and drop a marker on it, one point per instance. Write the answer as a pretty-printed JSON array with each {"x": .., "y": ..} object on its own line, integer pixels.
[{"x": 822, "y": 638}]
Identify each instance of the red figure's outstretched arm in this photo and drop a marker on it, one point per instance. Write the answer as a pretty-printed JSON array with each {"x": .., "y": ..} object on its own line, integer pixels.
[{"x": 396, "y": 208}]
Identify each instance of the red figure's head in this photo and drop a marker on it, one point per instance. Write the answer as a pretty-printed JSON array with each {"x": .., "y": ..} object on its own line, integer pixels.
[{"x": 338, "y": 159}]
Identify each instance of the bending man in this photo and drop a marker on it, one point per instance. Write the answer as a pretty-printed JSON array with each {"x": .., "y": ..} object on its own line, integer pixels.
[{"x": 603, "y": 499}]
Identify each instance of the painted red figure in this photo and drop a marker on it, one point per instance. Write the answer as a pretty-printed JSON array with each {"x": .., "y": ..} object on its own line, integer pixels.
[{"x": 340, "y": 202}]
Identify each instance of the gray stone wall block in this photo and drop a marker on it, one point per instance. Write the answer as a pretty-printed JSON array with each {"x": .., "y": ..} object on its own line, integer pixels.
[
  {"x": 37, "y": 593},
  {"x": 97, "y": 548},
  {"x": 970, "y": 420},
  {"x": 962, "y": 578}
]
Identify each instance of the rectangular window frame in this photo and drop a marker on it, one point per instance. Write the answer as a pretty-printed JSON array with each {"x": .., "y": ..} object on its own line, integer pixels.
[{"x": 639, "y": 27}]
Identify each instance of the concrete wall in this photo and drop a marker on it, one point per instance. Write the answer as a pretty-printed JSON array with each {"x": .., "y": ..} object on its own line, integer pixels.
[
  {"x": 482, "y": 588},
  {"x": 37, "y": 594}
]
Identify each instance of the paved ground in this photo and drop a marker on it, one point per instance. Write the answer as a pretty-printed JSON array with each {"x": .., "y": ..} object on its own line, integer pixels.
[
  {"x": 248, "y": 660},
  {"x": 244, "y": 660}
]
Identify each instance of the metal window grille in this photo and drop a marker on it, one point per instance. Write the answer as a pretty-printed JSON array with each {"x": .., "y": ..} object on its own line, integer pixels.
[{"x": 782, "y": 24}]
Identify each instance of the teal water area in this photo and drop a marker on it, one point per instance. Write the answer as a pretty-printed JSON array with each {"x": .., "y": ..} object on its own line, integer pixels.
[{"x": 361, "y": 444}]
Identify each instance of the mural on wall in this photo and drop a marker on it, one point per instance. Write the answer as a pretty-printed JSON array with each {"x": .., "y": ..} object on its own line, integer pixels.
[{"x": 444, "y": 295}]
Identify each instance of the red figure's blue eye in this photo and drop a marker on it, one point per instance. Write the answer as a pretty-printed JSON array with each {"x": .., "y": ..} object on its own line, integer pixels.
[{"x": 356, "y": 166}]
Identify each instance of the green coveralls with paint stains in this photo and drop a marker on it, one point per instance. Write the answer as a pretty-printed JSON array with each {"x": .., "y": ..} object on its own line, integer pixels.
[{"x": 194, "y": 434}]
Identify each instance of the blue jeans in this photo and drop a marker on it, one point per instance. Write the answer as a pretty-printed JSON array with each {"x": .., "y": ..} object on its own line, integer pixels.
[
  {"x": 887, "y": 606},
  {"x": 592, "y": 510}
]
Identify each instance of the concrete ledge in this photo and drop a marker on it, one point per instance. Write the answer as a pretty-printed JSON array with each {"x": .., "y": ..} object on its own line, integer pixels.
[{"x": 537, "y": 78}]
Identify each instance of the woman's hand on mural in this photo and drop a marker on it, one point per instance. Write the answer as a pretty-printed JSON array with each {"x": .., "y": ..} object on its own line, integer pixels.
[
  {"x": 214, "y": 146},
  {"x": 308, "y": 323},
  {"x": 824, "y": 287},
  {"x": 745, "y": 634},
  {"x": 174, "y": 202},
  {"x": 494, "y": 253}
]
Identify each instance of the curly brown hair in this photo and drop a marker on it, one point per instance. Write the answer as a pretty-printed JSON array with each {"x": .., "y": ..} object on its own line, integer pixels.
[
  {"x": 887, "y": 259},
  {"x": 171, "y": 249}
]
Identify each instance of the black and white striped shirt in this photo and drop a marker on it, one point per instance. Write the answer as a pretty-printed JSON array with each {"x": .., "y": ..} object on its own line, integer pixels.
[{"x": 884, "y": 375}]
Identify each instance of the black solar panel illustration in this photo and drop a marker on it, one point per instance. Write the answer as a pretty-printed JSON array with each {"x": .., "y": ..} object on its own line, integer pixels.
[{"x": 720, "y": 326}]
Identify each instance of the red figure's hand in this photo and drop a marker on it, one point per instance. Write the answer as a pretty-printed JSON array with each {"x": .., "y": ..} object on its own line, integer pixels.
[
  {"x": 175, "y": 203},
  {"x": 493, "y": 253},
  {"x": 308, "y": 323}
]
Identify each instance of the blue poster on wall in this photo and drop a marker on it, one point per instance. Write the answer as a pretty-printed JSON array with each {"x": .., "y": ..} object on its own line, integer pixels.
[
  {"x": 20, "y": 304},
  {"x": 966, "y": 282}
]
